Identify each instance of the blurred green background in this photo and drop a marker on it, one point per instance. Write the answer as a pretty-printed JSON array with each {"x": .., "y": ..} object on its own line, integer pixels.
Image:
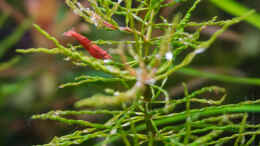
[{"x": 29, "y": 83}]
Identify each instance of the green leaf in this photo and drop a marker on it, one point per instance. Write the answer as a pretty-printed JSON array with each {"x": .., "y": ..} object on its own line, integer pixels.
[
  {"x": 237, "y": 9},
  {"x": 219, "y": 77},
  {"x": 14, "y": 37},
  {"x": 155, "y": 3}
]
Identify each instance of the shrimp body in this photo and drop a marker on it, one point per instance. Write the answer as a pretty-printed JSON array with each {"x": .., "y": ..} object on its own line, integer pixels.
[{"x": 93, "y": 49}]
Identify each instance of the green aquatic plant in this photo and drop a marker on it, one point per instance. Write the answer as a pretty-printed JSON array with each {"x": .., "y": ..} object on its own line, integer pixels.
[
  {"x": 234, "y": 8},
  {"x": 146, "y": 114},
  {"x": 6, "y": 89}
]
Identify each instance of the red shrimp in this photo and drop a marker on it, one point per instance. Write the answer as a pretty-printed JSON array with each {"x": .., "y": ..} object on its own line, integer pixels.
[{"x": 93, "y": 49}]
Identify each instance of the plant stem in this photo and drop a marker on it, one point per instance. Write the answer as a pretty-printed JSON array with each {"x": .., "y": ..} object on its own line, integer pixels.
[{"x": 148, "y": 123}]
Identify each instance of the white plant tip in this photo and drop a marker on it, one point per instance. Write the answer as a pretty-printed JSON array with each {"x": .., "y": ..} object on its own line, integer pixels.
[
  {"x": 126, "y": 124},
  {"x": 200, "y": 50},
  {"x": 138, "y": 84},
  {"x": 67, "y": 59},
  {"x": 169, "y": 56},
  {"x": 77, "y": 11},
  {"x": 130, "y": 46},
  {"x": 78, "y": 4},
  {"x": 136, "y": 57},
  {"x": 116, "y": 93},
  {"x": 139, "y": 74},
  {"x": 73, "y": 48},
  {"x": 113, "y": 131},
  {"x": 81, "y": 8},
  {"x": 110, "y": 68},
  {"x": 158, "y": 56},
  {"x": 150, "y": 81},
  {"x": 94, "y": 20},
  {"x": 87, "y": 10},
  {"x": 107, "y": 61},
  {"x": 119, "y": 1},
  {"x": 56, "y": 113}
]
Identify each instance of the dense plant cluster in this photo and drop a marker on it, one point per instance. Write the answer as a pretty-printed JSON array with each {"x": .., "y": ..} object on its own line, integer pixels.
[{"x": 141, "y": 65}]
